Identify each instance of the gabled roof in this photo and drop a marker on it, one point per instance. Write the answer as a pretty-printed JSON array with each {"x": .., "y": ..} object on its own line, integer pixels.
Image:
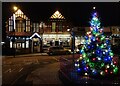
[
  {"x": 57, "y": 15},
  {"x": 19, "y": 13}
]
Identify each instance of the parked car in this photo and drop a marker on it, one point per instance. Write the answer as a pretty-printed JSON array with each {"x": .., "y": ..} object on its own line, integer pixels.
[{"x": 57, "y": 50}]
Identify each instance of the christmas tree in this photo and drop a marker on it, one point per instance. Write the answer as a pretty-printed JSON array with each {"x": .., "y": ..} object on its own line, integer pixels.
[{"x": 96, "y": 56}]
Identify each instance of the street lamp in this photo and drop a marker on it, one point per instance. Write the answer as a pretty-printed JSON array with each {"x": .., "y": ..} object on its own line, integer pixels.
[
  {"x": 15, "y": 8},
  {"x": 73, "y": 43},
  {"x": 14, "y": 18},
  {"x": 94, "y": 8}
]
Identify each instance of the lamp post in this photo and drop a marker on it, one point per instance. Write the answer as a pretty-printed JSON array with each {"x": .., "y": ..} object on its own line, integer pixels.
[
  {"x": 73, "y": 43},
  {"x": 14, "y": 26}
]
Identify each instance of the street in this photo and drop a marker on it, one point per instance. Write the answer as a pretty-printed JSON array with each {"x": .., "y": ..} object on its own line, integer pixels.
[{"x": 31, "y": 69}]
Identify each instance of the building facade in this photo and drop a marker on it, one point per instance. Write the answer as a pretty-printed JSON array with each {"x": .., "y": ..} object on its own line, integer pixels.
[
  {"x": 24, "y": 36},
  {"x": 17, "y": 32},
  {"x": 57, "y": 31}
]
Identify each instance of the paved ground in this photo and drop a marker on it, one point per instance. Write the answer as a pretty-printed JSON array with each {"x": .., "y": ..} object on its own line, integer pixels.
[
  {"x": 31, "y": 69},
  {"x": 46, "y": 75}
]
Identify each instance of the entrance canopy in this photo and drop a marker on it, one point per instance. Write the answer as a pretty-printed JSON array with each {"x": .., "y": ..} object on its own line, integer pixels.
[{"x": 34, "y": 35}]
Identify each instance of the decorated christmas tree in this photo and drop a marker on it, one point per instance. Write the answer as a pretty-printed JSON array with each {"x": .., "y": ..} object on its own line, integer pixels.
[{"x": 96, "y": 56}]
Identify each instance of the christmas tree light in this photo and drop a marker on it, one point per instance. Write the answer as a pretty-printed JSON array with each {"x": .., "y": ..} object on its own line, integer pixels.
[{"x": 96, "y": 56}]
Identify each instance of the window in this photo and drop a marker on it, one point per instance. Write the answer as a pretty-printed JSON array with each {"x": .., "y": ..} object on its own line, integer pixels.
[
  {"x": 27, "y": 25},
  {"x": 37, "y": 27},
  {"x": 53, "y": 26},
  {"x": 23, "y": 27},
  {"x": 18, "y": 45},
  {"x": 60, "y": 27},
  {"x": 10, "y": 28},
  {"x": 20, "y": 26},
  {"x": 10, "y": 25},
  {"x": 23, "y": 45},
  {"x": 14, "y": 45},
  {"x": 27, "y": 44},
  {"x": 10, "y": 44}
]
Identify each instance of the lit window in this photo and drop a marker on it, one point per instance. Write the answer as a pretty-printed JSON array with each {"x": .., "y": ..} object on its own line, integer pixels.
[
  {"x": 53, "y": 26},
  {"x": 60, "y": 27},
  {"x": 27, "y": 44},
  {"x": 10, "y": 44},
  {"x": 23, "y": 45},
  {"x": 14, "y": 45}
]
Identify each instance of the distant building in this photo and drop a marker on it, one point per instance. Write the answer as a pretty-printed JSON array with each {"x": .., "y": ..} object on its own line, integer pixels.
[{"x": 115, "y": 35}]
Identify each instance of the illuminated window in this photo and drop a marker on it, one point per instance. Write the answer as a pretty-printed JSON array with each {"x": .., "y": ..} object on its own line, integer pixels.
[
  {"x": 10, "y": 24},
  {"x": 10, "y": 44},
  {"x": 23, "y": 45},
  {"x": 23, "y": 27},
  {"x": 53, "y": 26},
  {"x": 14, "y": 45},
  {"x": 60, "y": 27},
  {"x": 10, "y": 28},
  {"x": 27, "y": 44},
  {"x": 20, "y": 25},
  {"x": 27, "y": 25}
]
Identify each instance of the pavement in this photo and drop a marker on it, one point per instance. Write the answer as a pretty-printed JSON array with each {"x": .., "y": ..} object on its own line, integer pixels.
[
  {"x": 34, "y": 69},
  {"x": 47, "y": 75}
]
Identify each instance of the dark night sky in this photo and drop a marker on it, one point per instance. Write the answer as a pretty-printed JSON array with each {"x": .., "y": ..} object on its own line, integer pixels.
[{"x": 78, "y": 13}]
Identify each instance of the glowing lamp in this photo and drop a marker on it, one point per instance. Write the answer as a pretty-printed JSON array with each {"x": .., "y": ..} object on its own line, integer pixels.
[
  {"x": 87, "y": 60},
  {"x": 99, "y": 58},
  {"x": 91, "y": 29},
  {"x": 102, "y": 64},
  {"x": 101, "y": 73},
  {"x": 75, "y": 64},
  {"x": 108, "y": 66},
  {"x": 94, "y": 7},
  {"x": 115, "y": 70},
  {"x": 85, "y": 68},
  {"x": 103, "y": 52},
  {"x": 80, "y": 58},
  {"x": 111, "y": 72},
  {"x": 115, "y": 62},
  {"x": 106, "y": 71},
  {"x": 15, "y": 8},
  {"x": 86, "y": 74},
  {"x": 93, "y": 59},
  {"x": 81, "y": 55},
  {"x": 79, "y": 69},
  {"x": 111, "y": 53}
]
